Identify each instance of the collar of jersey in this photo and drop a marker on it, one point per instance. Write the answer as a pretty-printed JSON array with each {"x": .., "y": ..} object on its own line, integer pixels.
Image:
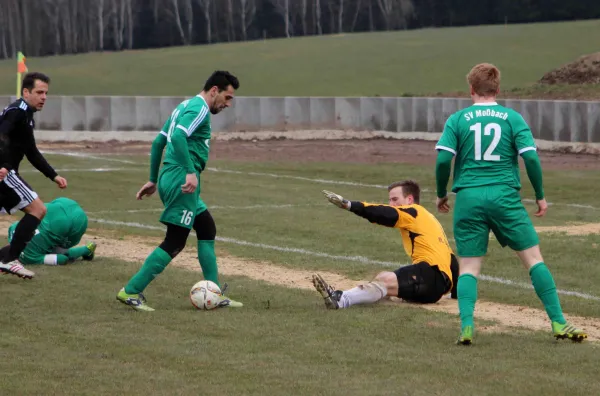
[
  {"x": 486, "y": 104},
  {"x": 204, "y": 100}
]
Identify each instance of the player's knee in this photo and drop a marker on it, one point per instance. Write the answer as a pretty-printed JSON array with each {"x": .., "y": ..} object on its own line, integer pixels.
[
  {"x": 175, "y": 240},
  {"x": 530, "y": 257},
  {"x": 388, "y": 279},
  {"x": 205, "y": 227},
  {"x": 36, "y": 208}
]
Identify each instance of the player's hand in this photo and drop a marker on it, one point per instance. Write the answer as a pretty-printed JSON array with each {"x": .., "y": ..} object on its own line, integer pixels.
[
  {"x": 146, "y": 190},
  {"x": 337, "y": 200},
  {"x": 3, "y": 173},
  {"x": 442, "y": 204},
  {"x": 542, "y": 207},
  {"x": 61, "y": 182},
  {"x": 191, "y": 182}
]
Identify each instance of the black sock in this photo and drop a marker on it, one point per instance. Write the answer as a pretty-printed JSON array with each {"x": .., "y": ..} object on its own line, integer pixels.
[{"x": 23, "y": 234}]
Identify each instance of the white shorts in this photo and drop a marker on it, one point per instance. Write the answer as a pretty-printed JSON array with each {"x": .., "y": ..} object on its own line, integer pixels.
[{"x": 15, "y": 193}]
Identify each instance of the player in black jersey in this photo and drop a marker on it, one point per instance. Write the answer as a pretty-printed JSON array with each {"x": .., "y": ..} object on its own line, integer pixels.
[{"x": 17, "y": 141}]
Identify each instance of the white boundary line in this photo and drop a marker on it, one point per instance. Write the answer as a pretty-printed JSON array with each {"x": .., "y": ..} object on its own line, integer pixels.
[
  {"x": 359, "y": 259},
  {"x": 85, "y": 155},
  {"x": 87, "y": 170},
  {"x": 280, "y": 176},
  {"x": 214, "y": 207}
]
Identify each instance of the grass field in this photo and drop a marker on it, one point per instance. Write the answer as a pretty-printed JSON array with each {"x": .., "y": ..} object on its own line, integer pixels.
[
  {"x": 386, "y": 64},
  {"x": 64, "y": 332}
]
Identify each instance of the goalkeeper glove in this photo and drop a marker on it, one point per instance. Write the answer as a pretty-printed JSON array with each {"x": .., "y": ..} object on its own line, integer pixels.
[{"x": 337, "y": 200}]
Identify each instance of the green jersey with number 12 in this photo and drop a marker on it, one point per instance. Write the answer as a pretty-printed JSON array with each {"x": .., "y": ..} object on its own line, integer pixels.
[
  {"x": 191, "y": 117},
  {"x": 486, "y": 139}
]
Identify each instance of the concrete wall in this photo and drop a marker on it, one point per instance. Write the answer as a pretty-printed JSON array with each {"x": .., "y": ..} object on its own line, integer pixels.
[{"x": 563, "y": 121}]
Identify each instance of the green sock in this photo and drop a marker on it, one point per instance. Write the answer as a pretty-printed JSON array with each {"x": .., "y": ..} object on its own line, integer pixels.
[
  {"x": 76, "y": 252},
  {"x": 156, "y": 262},
  {"x": 208, "y": 260},
  {"x": 544, "y": 286},
  {"x": 61, "y": 259},
  {"x": 467, "y": 296}
]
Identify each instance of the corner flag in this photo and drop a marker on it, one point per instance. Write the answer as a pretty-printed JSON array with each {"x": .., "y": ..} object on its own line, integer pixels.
[{"x": 21, "y": 68}]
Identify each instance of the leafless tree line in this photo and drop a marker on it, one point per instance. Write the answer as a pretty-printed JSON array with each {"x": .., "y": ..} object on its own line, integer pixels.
[{"x": 50, "y": 27}]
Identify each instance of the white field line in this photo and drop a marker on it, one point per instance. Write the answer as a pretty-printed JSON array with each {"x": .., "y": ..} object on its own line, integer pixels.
[
  {"x": 87, "y": 156},
  {"x": 356, "y": 184},
  {"x": 279, "y": 176},
  {"x": 308, "y": 179},
  {"x": 248, "y": 207},
  {"x": 87, "y": 170},
  {"x": 359, "y": 259}
]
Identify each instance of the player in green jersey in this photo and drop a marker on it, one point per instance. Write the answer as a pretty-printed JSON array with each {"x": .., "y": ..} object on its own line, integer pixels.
[
  {"x": 186, "y": 135},
  {"x": 486, "y": 140},
  {"x": 55, "y": 240}
]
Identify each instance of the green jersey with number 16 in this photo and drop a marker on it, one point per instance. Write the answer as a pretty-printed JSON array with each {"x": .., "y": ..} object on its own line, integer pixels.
[
  {"x": 191, "y": 117},
  {"x": 486, "y": 139}
]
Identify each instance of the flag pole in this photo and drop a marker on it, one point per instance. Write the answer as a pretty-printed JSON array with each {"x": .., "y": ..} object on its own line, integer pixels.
[{"x": 21, "y": 68}]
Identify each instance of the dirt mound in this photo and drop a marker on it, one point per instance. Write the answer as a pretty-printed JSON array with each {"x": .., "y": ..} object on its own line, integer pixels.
[{"x": 585, "y": 70}]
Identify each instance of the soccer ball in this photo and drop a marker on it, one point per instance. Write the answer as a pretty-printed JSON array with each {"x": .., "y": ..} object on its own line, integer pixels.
[{"x": 205, "y": 295}]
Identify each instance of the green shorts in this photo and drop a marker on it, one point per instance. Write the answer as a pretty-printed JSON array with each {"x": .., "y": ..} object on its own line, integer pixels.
[
  {"x": 497, "y": 208},
  {"x": 180, "y": 209}
]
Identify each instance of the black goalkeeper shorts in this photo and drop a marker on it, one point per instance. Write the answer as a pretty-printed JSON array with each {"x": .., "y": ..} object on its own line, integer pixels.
[{"x": 423, "y": 283}]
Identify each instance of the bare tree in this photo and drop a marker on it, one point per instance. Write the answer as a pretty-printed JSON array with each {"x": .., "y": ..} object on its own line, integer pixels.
[
  {"x": 340, "y": 15},
  {"x": 229, "y": 20},
  {"x": 205, "y": 5},
  {"x": 395, "y": 11},
  {"x": 357, "y": 10},
  {"x": 405, "y": 10},
  {"x": 52, "y": 8},
  {"x": 189, "y": 17},
  {"x": 100, "y": 23},
  {"x": 283, "y": 8},
  {"x": 371, "y": 23},
  {"x": 3, "y": 34},
  {"x": 177, "y": 19},
  {"x": 247, "y": 13},
  {"x": 317, "y": 15}
]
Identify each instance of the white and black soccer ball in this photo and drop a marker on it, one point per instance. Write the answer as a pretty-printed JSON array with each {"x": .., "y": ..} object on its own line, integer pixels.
[{"x": 205, "y": 295}]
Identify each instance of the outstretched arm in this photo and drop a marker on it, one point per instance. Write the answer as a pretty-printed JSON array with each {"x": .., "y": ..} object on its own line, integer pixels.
[{"x": 384, "y": 215}]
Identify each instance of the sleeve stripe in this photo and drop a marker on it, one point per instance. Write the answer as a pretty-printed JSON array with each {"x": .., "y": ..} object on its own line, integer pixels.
[
  {"x": 526, "y": 149},
  {"x": 163, "y": 133},
  {"x": 184, "y": 129},
  {"x": 198, "y": 120},
  {"x": 438, "y": 147}
]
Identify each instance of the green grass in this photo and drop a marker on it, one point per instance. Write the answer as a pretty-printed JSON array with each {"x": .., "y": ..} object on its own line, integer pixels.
[
  {"x": 385, "y": 63},
  {"x": 64, "y": 332}
]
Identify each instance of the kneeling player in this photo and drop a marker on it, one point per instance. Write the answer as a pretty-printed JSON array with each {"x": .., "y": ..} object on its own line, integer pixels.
[
  {"x": 55, "y": 240},
  {"x": 434, "y": 270}
]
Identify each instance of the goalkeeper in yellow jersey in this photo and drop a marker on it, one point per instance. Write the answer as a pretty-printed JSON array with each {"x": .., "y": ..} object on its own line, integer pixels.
[{"x": 434, "y": 268}]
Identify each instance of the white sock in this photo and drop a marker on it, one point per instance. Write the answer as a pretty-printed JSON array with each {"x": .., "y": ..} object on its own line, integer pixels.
[{"x": 364, "y": 294}]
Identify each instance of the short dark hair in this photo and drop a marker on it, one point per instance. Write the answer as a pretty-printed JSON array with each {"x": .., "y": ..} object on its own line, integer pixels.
[
  {"x": 221, "y": 79},
  {"x": 409, "y": 187},
  {"x": 30, "y": 79}
]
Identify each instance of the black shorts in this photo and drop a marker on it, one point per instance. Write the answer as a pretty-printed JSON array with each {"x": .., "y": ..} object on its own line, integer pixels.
[
  {"x": 15, "y": 193},
  {"x": 422, "y": 283}
]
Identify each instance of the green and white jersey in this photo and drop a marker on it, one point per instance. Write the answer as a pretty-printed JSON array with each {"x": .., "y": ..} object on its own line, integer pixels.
[
  {"x": 191, "y": 117},
  {"x": 486, "y": 139}
]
